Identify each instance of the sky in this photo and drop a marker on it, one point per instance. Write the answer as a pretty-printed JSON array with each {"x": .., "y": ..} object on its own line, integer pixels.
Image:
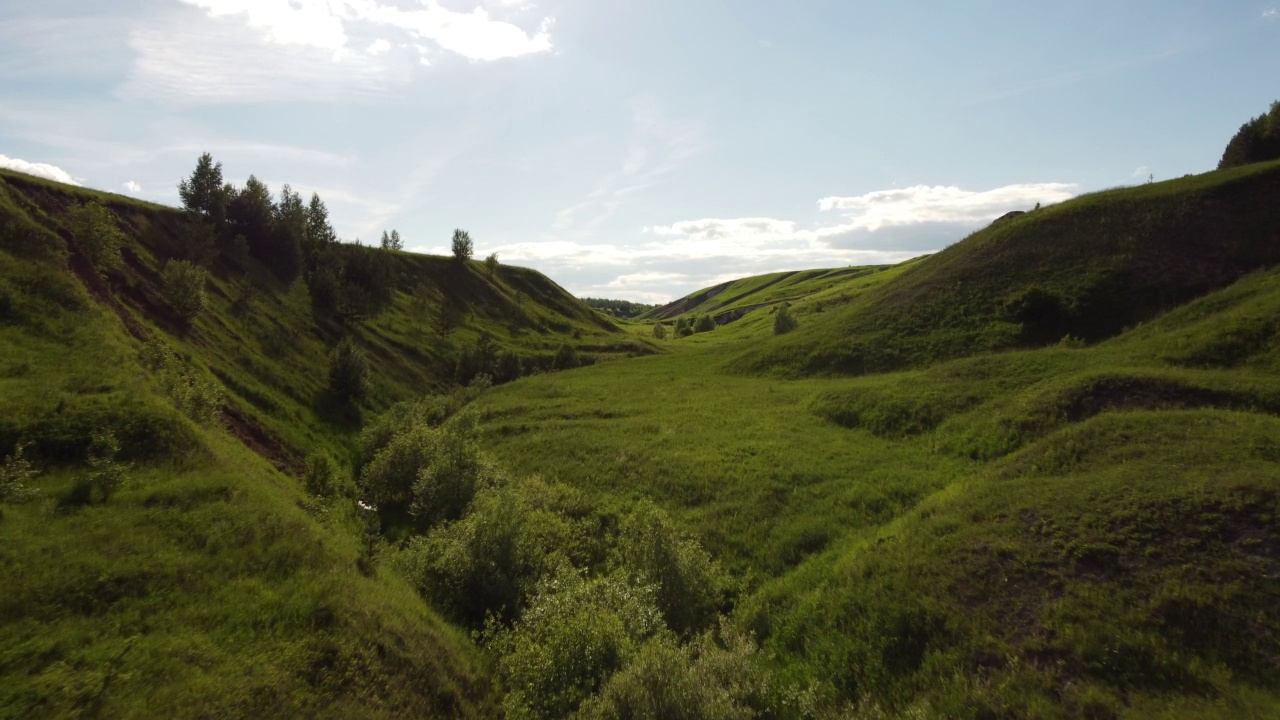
[{"x": 639, "y": 150}]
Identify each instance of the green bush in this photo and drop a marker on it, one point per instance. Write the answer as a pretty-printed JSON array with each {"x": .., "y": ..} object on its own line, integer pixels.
[
  {"x": 659, "y": 331},
  {"x": 704, "y": 323},
  {"x": 703, "y": 680},
  {"x": 575, "y": 634},
  {"x": 16, "y": 475},
  {"x": 106, "y": 473},
  {"x": 184, "y": 289},
  {"x": 688, "y": 583},
  {"x": 322, "y": 478},
  {"x": 348, "y": 372},
  {"x": 566, "y": 358},
  {"x": 95, "y": 230},
  {"x": 783, "y": 321},
  {"x": 199, "y": 397}
]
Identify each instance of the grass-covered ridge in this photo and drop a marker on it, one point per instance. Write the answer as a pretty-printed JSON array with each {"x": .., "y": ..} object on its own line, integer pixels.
[
  {"x": 1087, "y": 268},
  {"x": 1053, "y": 493}
]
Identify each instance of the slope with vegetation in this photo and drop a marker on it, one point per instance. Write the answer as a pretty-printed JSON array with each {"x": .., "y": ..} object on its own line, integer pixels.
[
  {"x": 250, "y": 471},
  {"x": 180, "y": 534}
]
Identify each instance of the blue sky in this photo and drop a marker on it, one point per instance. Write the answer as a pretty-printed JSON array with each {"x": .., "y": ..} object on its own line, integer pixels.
[{"x": 639, "y": 150}]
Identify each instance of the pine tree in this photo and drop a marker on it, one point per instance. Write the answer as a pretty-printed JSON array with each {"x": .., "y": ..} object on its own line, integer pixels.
[{"x": 205, "y": 193}]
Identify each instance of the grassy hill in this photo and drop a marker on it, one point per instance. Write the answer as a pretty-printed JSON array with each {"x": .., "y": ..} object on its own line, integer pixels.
[
  {"x": 1088, "y": 268},
  {"x": 210, "y": 583},
  {"x": 923, "y": 502},
  {"x": 1087, "y": 529}
]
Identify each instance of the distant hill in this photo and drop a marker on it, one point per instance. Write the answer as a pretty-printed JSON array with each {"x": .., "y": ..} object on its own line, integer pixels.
[
  {"x": 623, "y": 309},
  {"x": 1086, "y": 268},
  {"x": 731, "y": 300}
]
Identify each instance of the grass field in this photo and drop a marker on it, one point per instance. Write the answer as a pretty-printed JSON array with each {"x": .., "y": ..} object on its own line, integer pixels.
[{"x": 1034, "y": 475}]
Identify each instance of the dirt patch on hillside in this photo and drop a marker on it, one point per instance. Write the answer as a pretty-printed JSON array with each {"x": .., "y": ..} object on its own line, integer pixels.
[{"x": 261, "y": 441}]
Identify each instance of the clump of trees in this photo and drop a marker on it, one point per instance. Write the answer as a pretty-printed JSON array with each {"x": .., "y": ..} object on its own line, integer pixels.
[
  {"x": 392, "y": 241},
  {"x": 587, "y": 612},
  {"x": 704, "y": 323},
  {"x": 618, "y": 308},
  {"x": 96, "y": 232},
  {"x": 1257, "y": 141}
]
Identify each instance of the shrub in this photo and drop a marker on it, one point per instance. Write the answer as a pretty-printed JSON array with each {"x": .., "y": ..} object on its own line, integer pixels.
[
  {"x": 659, "y": 331},
  {"x": 96, "y": 232},
  {"x": 106, "y": 474},
  {"x": 184, "y": 289},
  {"x": 16, "y": 475},
  {"x": 198, "y": 397},
  {"x": 566, "y": 358},
  {"x": 348, "y": 372},
  {"x": 701, "y": 680},
  {"x": 321, "y": 478},
  {"x": 688, "y": 583},
  {"x": 491, "y": 264},
  {"x": 575, "y": 634},
  {"x": 783, "y": 321},
  {"x": 705, "y": 323},
  {"x": 432, "y": 473}
]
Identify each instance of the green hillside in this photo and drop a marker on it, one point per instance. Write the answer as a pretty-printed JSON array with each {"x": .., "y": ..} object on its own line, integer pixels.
[
  {"x": 1034, "y": 475},
  {"x": 1087, "y": 529},
  {"x": 1088, "y": 268},
  {"x": 205, "y": 580}
]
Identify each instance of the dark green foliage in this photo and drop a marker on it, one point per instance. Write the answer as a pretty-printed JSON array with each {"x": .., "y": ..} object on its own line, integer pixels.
[
  {"x": 16, "y": 474},
  {"x": 684, "y": 327},
  {"x": 704, "y": 680},
  {"x": 205, "y": 192},
  {"x": 704, "y": 323},
  {"x": 1043, "y": 314},
  {"x": 659, "y": 331},
  {"x": 97, "y": 234},
  {"x": 348, "y": 372},
  {"x": 1257, "y": 141},
  {"x": 624, "y": 309},
  {"x": 783, "y": 321},
  {"x": 322, "y": 478},
  {"x": 491, "y": 264},
  {"x": 392, "y": 241},
  {"x": 566, "y": 357},
  {"x": 479, "y": 358},
  {"x": 184, "y": 289},
  {"x": 105, "y": 475},
  {"x": 196, "y": 395},
  {"x": 575, "y": 634},
  {"x": 688, "y": 584},
  {"x": 462, "y": 246}
]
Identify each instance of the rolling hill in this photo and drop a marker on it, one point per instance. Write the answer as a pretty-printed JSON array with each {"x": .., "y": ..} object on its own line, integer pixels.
[{"x": 1036, "y": 474}]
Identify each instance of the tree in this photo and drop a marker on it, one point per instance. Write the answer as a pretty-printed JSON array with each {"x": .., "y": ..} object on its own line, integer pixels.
[
  {"x": 348, "y": 372},
  {"x": 319, "y": 231},
  {"x": 462, "y": 245},
  {"x": 289, "y": 228},
  {"x": 660, "y": 331},
  {"x": 1257, "y": 141},
  {"x": 205, "y": 193},
  {"x": 96, "y": 232},
  {"x": 250, "y": 213},
  {"x": 783, "y": 321},
  {"x": 392, "y": 241},
  {"x": 184, "y": 289},
  {"x": 705, "y": 323},
  {"x": 491, "y": 264}
]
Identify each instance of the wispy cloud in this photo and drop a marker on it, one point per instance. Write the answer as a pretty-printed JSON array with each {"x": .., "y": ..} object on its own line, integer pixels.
[
  {"x": 1270, "y": 14},
  {"x": 133, "y": 187},
  {"x": 885, "y": 226},
  {"x": 44, "y": 170},
  {"x": 657, "y": 146}
]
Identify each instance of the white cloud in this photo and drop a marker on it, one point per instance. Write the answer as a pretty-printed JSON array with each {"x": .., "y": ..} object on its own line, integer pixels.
[
  {"x": 43, "y": 170},
  {"x": 1142, "y": 172},
  {"x": 324, "y": 24},
  {"x": 378, "y": 47},
  {"x": 882, "y": 227},
  {"x": 939, "y": 204},
  {"x": 1270, "y": 14},
  {"x": 133, "y": 187}
]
